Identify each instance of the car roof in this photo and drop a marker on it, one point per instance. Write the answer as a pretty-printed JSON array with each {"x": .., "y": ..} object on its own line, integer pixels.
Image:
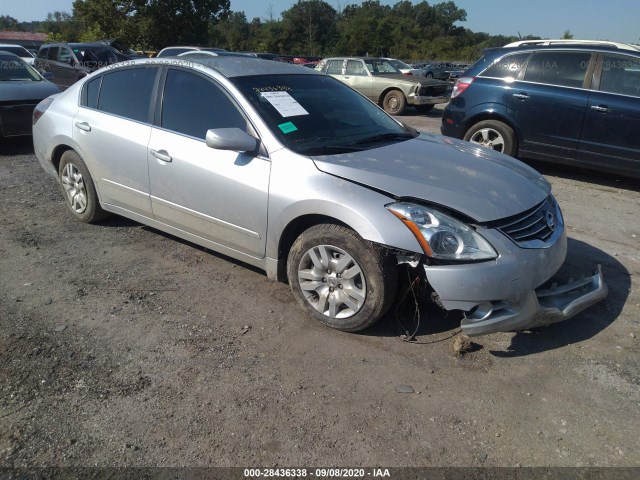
[
  {"x": 238, "y": 66},
  {"x": 567, "y": 42},
  {"x": 9, "y": 56},
  {"x": 349, "y": 57},
  {"x": 498, "y": 52}
]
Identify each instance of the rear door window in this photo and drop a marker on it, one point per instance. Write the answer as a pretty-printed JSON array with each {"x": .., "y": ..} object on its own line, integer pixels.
[
  {"x": 128, "y": 93},
  {"x": 566, "y": 69},
  {"x": 334, "y": 67},
  {"x": 621, "y": 75}
]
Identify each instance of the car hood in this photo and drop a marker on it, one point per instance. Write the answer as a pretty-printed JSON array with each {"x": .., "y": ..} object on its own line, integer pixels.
[
  {"x": 412, "y": 79},
  {"x": 26, "y": 90},
  {"x": 474, "y": 181}
]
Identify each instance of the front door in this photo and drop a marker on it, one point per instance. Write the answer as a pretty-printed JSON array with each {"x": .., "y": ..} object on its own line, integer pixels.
[
  {"x": 610, "y": 136},
  {"x": 219, "y": 195}
]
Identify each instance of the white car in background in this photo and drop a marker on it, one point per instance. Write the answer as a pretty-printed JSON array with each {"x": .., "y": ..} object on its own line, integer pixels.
[
  {"x": 405, "y": 68},
  {"x": 18, "y": 50}
]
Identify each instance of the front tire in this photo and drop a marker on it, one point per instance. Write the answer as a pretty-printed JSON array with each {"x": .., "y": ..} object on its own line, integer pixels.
[
  {"x": 493, "y": 134},
  {"x": 394, "y": 102},
  {"x": 78, "y": 189},
  {"x": 339, "y": 279}
]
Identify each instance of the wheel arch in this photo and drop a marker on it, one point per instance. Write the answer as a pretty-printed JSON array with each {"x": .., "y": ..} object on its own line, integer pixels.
[
  {"x": 387, "y": 90},
  {"x": 484, "y": 115},
  {"x": 56, "y": 155},
  {"x": 293, "y": 230}
]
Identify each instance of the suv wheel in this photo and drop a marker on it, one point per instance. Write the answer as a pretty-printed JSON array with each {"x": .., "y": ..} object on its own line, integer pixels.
[{"x": 493, "y": 134}]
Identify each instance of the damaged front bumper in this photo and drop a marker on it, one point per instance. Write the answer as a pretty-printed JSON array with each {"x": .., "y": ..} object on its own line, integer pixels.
[
  {"x": 509, "y": 293},
  {"x": 541, "y": 307}
]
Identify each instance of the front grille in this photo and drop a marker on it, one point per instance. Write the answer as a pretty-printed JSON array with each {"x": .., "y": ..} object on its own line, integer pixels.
[
  {"x": 537, "y": 225},
  {"x": 433, "y": 91}
]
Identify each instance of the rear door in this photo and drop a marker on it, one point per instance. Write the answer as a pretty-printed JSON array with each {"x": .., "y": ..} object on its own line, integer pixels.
[
  {"x": 112, "y": 130},
  {"x": 549, "y": 101},
  {"x": 611, "y": 133}
]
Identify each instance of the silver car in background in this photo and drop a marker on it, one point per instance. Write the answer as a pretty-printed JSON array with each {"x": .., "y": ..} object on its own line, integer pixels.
[{"x": 290, "y": 170}]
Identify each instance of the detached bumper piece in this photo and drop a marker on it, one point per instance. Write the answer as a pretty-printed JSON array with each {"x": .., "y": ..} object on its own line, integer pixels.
[{"x": 541, "y": 307}]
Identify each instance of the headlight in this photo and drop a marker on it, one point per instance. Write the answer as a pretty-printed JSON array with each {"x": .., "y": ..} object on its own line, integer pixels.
[{"x": 441, "y": 236}]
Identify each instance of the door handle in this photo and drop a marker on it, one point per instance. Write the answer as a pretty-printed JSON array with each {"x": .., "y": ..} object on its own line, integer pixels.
[
  {"x": 83, "y": 126},
  {"x": 601, "y": 108},
  {"x": 161, "y": 155},
  {"x": 521, "y": 96}
]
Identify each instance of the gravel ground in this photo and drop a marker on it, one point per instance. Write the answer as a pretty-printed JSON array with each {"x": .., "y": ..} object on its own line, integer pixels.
[{"x": 123, "y": 346}]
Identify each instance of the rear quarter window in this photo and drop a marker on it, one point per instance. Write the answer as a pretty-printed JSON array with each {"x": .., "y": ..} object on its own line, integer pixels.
[
  {"x": 566, "y": 69},
  {"x": 508, "y": 66}
]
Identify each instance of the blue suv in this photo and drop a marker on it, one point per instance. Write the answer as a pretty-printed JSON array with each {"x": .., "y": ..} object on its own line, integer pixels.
[{"x": 576, "y": 105}]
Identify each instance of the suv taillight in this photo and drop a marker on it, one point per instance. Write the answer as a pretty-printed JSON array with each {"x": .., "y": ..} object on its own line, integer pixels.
[
  {"x": 40, "y": 109},
  {"x": 461, "y": 85}
]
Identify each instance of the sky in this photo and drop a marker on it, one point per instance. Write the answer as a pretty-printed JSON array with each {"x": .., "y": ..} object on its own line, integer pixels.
[{"x": 617, "y": 20}]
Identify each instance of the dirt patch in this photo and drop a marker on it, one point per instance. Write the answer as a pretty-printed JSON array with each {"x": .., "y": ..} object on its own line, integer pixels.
[{"x": 122, "y": 346}]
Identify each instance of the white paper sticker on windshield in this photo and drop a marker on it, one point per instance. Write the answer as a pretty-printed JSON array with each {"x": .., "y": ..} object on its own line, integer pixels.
[{"x": 285, "y": 104}]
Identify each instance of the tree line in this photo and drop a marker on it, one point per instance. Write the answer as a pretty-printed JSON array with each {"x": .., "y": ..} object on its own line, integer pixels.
[{"x": 309, "y": 28}]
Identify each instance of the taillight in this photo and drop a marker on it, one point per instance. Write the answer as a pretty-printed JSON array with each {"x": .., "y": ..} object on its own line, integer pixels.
[
  {"x": 461, "y": 85},
  {"x": 40, "y": 109},
  {"x": 407, "y": 73}
]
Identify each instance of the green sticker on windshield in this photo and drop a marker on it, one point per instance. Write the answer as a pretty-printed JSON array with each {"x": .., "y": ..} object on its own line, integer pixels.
[{"x": 287, "y": 127}]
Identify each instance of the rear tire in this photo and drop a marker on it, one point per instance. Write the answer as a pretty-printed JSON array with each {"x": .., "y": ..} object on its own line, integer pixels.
[
  {"x": 339, "y": 279},
  {"x": 78, "y": 189},
  {"x": 493, "y": 134}
]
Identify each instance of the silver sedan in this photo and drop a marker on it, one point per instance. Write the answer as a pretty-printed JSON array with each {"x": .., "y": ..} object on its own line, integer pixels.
[{"x": 290, "y": 170}]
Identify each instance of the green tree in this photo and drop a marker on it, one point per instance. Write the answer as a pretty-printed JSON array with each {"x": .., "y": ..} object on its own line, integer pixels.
[
  {"x": 8, "y": 23},
  {"x": 181, "y": 22},
  {"x": 567, "y": 35},
  {"x": 61, "y": 27},
  {"x": 309, "y": 27}
]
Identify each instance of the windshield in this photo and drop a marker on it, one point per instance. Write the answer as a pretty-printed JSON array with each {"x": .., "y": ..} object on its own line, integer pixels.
[
  {"x": 399, "y": 64},
  {"x": 15, "y": 69},
  {"x": 318, "y": 115}
]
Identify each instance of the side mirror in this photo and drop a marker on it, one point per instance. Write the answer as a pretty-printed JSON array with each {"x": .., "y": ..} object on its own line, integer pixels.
[{"x": 231, "y": 139}]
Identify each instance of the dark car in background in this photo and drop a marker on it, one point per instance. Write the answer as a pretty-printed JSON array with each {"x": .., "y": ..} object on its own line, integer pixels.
[
  {"x": 69, "y": 62},
  {"x": 21, "y": 89},
  {"x": 571, "y": 104},
  {"x": 443, "y": 70}
]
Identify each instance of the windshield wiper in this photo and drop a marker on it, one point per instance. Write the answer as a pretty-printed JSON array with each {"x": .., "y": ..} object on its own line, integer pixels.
[
  {"x": 383, "y": 137},
  {"x": 320, "y": 149}
]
